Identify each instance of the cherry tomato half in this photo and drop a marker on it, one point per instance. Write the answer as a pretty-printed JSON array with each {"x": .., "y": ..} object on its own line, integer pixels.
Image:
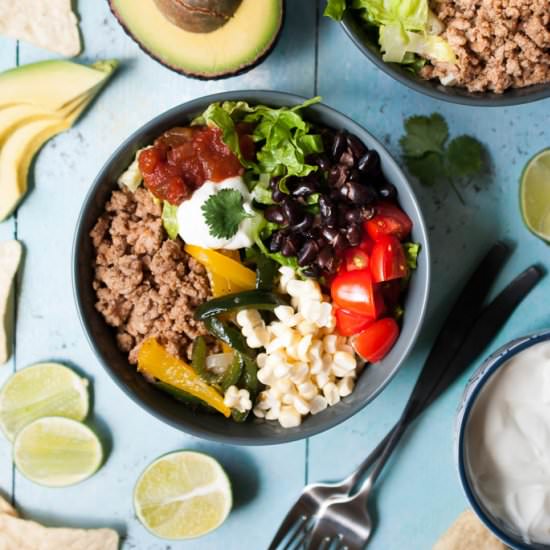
[
  {"x": 356, "y": 258},
  {"x": 349, "y": 323},
  {"x": 388, "y": 260},
  {"x": 354, "y": 291},
  {"x": 389, "y": 220},
  {"x": 376, "y": 340}
]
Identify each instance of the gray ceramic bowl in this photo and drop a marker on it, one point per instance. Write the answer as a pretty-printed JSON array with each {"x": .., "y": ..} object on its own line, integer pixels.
[
  {"x": 475, "y": 385},
  {"x": 101, "y": 337},
  {"x": 369, "y": 47}
]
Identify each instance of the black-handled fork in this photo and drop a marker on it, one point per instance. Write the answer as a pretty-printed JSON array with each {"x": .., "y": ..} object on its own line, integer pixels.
[{"x": 451, "y": 338}]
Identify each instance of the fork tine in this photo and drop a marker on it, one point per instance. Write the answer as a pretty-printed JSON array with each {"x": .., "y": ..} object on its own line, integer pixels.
[
  {"x": 299, "y": 536},
  {"x": 289, "y": 523}
]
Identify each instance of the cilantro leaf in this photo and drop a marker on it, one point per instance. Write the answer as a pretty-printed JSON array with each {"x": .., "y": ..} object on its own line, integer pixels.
[
  {"x": 465, "y": 156},
  {"x": 428, "y": 168},
  {"x": 425, "y": 134},
  {"x": 223, "y": 212}
]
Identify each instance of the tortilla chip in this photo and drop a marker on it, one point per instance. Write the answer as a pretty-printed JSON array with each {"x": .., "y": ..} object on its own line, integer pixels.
[
  {"x": 20, "y": 534},
  {"x": 10, "y": 257},
  {"x": 468, "y": 533},
  {"x": 49, "y": 24}
]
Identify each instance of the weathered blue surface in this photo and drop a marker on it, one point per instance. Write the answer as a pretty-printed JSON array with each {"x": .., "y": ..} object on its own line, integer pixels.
[{"x": 419, "y": 495}]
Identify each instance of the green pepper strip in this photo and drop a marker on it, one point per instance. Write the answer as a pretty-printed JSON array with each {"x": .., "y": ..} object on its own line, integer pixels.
[
  {"x": 184, "y": 397},
  {"x": 229, "y": 334},
  {"x": 249, "y": 299},
  {"x": 266, "y": 271},
  {"x": 198, "y": 361},
  {"x": 249, "y": 381},
  {"x": 233, "y": 373}
]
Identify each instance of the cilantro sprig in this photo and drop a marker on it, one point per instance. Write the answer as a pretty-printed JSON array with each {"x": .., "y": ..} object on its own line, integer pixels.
[
  {"x": 223, "y": 212},
  {"x": 431, "y": 158}
]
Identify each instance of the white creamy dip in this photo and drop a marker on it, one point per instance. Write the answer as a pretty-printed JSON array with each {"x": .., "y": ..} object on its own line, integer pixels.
[
  {"x": 192, "y": 225},
  {"x": 508, "y": 444}
]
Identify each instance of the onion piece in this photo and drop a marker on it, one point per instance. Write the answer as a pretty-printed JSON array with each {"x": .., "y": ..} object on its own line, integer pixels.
[{"x": 219, "y": 362}]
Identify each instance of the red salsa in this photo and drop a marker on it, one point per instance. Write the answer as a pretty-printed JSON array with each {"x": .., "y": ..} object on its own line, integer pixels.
[{"x": 182, "y": 159}]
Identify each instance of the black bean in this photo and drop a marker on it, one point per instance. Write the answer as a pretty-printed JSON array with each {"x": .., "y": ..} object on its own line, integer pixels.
[
  {"x": 321, "y": 160},
  {"x": 277, "y": 195},
  {"x": 312, "y": 271},
  {"x": 387, "y": 191},
  {"x": 368, "y": 212},
  {"x": 274, "y": 182},
  {"x": 330, "y": 233},
  {"x": 304, "y": 189},
  {"x": 338, "y": 145},
  {"x": 328, "y": 212},
  {"x": 354, "y": 175},
  {"x": 354, "y": 215},
  {"x": 304, "y": 224},
  {"x": 354, "y": 234},
  {"x": 276, "y": 241},
  {"x": 292, "y": 211},
  {"x": 338, "y": 175},
  {"x": 325, "y": 256},
  {"x": 290, "y": 245},
  {"x": 358, "y": 193},
  {"x": 357, "y": 147},
  {"x": 307, "y": 253},
  {"x": 346, "y": 158},
  {"x": 369, "y": 163},
  {"x": 275, "y": 214},
  {"x": 321, "y": 241},
  {"x": 340, "y": 243}
]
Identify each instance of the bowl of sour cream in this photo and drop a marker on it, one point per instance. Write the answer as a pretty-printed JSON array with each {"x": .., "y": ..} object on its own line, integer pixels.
[{"x": 503, "y": 442}]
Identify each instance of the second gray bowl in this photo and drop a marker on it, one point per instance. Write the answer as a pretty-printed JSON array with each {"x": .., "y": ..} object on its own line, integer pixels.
[{"x": 102, "y": 339}]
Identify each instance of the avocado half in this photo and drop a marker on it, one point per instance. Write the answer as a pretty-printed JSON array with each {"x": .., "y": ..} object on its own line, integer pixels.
[{"x": 205, "y": 39}]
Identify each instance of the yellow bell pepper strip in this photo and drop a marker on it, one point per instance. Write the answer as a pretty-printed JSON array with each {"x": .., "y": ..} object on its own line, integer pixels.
[
  {"x": 217, "y": 263},
  {"x": 155, "y": 361}
]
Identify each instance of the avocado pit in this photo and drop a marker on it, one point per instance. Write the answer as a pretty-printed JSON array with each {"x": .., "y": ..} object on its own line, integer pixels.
[{"x": 200, "y": 16}]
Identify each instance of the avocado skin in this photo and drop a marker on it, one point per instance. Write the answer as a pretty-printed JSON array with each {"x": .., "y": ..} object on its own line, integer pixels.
[
  {"x": 190, "y": 74},
  {"x": 198, "y": 15}
]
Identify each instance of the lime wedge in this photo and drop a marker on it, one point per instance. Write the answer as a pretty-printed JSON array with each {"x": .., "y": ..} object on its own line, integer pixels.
[
  {"x": 44, "y": 389},
  {"x": 182, "y": 495},
  {"x": 535, "y": 195},
  {"x": 56, "y": 451}
]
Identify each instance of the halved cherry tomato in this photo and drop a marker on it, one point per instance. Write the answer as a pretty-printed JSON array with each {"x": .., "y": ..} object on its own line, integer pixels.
[
  {"x": 349, "y": 323},
  {"x": 356, "y": 258},
  {"x": 388, "y": 260},
  {"x": 366, "y": 244},
  {"x": 354, "y": 291},
  {"x": 389, "y": 220},
  {"x": 391, "y": 292},
  {"x": 376, "y": 340}
]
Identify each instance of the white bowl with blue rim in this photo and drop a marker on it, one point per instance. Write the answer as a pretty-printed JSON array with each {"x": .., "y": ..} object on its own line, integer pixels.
[{"x": 507, "y": 533}]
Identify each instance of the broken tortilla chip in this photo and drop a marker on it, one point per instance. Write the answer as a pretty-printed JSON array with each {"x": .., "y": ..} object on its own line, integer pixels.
[
  {"x": 21, "y": 534},
  {"x": 49, "y": 24},
  {"x": 468, "y": 533},
  {"x": 10, "y": 257}
]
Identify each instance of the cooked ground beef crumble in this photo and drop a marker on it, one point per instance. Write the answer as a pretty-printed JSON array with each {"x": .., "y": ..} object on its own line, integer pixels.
[
  {"x": 500, "y": 44},
  {"x": 146, "y": 284}
]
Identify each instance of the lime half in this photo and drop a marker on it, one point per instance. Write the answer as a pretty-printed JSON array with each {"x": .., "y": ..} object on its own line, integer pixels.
[
  {"x": 56, "y": 451},
  {"x": 182, "y": 495},
  {"x": 44, "y": 389},
  {"x": 535, "y": 195}
]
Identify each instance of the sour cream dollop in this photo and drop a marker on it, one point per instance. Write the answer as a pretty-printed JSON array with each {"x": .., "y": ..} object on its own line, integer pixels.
[
  {"x": 192, "y": 225},
  {"x": 508, "y": 444}
]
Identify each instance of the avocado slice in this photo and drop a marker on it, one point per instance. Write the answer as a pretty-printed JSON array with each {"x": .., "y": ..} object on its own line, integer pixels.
[
  {"x": 19, "y": 148},
  {"x": 228, "y": 38},
  {"x": 51, "y": 84}
]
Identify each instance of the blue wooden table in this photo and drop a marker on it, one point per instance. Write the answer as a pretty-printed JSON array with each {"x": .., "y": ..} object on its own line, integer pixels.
[{"x": 419, "y": 495}]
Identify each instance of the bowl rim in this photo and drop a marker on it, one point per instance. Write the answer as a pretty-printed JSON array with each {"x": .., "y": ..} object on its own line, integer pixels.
[
  {"x": 182, "y": 425},
  {"x": 480, "y": 100},
  {"x": 473, "y": 388}
]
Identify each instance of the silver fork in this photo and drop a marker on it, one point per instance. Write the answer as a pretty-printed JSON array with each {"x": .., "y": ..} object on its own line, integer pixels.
[{"x": 347, "y": 518}]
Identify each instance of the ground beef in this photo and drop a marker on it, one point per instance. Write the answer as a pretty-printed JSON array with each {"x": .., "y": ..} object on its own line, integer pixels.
[
  {"x": 499, "y": 44},
  {"x": 146, "y": 284}
]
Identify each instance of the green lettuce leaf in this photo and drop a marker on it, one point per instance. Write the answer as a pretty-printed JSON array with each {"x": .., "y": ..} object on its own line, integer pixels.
[
  {"x": 263, "y": 231},
  {"x": 411, "y": 254},
  {"x": 335, "y": 9},
  {"x": 169, "y": 219}
]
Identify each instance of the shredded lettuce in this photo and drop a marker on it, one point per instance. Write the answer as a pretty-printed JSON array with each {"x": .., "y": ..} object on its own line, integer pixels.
[
  {"x": 407, "y": 29},
  {"x": 283, "y": 138},
  {"x": 170, "y": 220}
]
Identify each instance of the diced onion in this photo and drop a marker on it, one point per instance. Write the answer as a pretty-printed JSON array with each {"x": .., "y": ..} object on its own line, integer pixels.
[{"x": 219, "y": 362}]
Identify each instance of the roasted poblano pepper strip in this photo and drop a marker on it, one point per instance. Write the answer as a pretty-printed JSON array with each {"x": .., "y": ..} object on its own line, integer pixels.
[
  {"x": 266, "y": 271},
  {"x": 184, "y": 397},
  {"x": 249, "y": 299},
  {"x": 248, "y": 381},
  {"x": 233, "y": 373},
  {"x": 230, "y": 334},
  {"x": 198, "y": 361}
]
